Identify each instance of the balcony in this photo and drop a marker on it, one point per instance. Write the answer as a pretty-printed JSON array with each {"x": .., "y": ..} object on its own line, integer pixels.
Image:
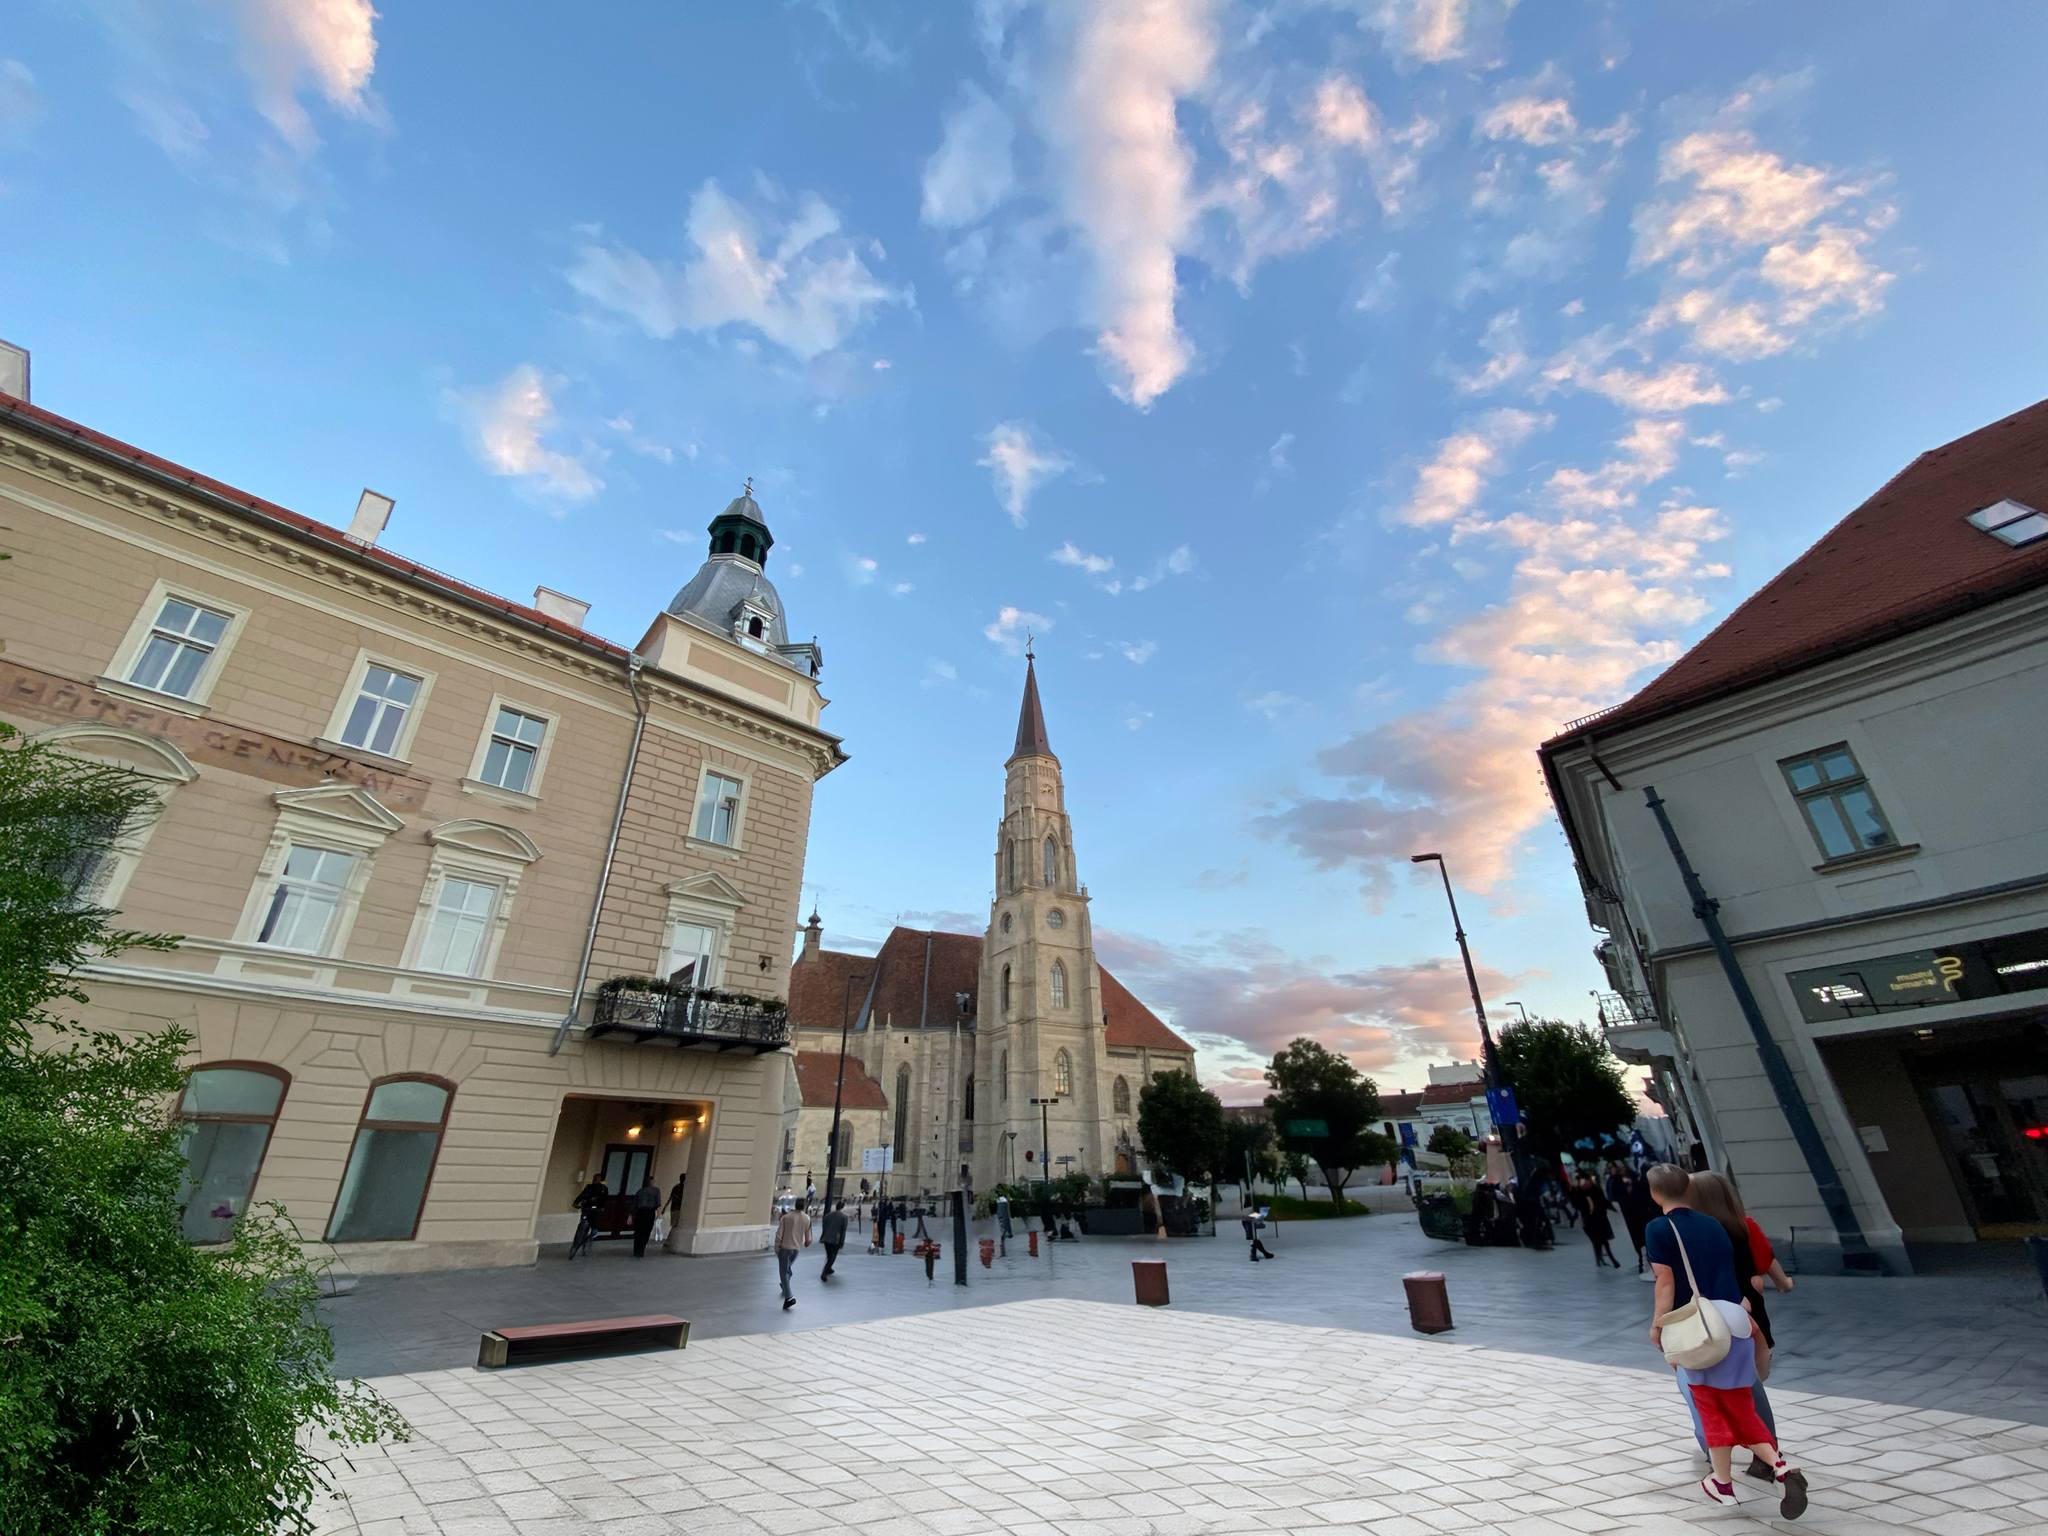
[
  {"x": 688, "y": 1019},
  {"x": 1634, "y": 1032}
]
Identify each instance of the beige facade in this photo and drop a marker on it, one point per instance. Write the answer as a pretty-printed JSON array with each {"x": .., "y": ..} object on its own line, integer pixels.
[{"x": 387, "y": 803}]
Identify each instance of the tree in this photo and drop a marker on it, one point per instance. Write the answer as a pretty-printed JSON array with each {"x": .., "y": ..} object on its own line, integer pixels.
[
  {"x": 145, "y": 1385},
  {"x": 1295, "y": 1166},
  {"x": 1323, "y": 1109},
  {"x": 1449, "y": 1141},
  {"x": 1181, "y": 1124},
  {"x": 1567, "y": 1084},
  {"x": 1247, "y": 1148}
]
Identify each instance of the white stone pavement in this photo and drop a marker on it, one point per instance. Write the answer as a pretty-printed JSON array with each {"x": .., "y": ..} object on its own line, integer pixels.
[{"x": 1070, "y": 1418}]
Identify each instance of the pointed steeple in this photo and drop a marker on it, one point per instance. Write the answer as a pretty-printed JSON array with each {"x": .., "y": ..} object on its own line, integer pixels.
[{"x": 1031, "y": 737}]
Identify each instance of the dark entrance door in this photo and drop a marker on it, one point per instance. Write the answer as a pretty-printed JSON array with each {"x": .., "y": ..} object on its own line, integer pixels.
[
  {"x": 1989, "y": 1107},
  {"x": 626, "y": 1168}
]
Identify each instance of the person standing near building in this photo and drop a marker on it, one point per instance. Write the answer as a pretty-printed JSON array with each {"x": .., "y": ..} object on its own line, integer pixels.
[
  {"x": 590, "y": 1206},
  {"x": 834, "y": 1227},
  {"x": 792, "y": 1232},
  {"x": 1627, "y": 1193},
  {"x": 675, "y": 1202},
  {"x": 810, "y": 1190},
  {"x": 1593, "y": 1208},
  {"x": 1687, "y": 1246},
  {"x": 646, "y": 1206},
  {"x": 1003, "y": 1217}
]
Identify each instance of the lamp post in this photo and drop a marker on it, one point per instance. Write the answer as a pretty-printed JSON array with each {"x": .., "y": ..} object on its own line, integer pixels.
[
  {"x": 839, "y": 1085},
  {"x": 1512, "y": 1003},
  {"x": 1045, "y": 1155},
  {"x": 1510, "y": 1137}
]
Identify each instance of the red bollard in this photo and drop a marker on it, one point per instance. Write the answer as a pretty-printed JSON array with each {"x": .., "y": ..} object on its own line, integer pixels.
[
  {"x": 1034, "y": 1243},
  {"x": 899, "y": 1244},
  {"x": 988, "y": 1252}
]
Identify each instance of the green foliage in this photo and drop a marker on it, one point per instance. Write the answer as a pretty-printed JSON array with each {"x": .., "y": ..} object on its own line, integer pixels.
[
  {"x": 145, "y": 1385},
  {"x": 1287, "y": 1208},
  {"x": 1311, "y": 1082},
  {"x": 1567, "y": 1084},
  {"x": 1181, "y": 1124},
  {"x": 663, "y": 988},
  {"x": 1248, "y": 1144},
  {"x": 1449, "y": 1141},
  {"x": 1295, "y": 1166}
]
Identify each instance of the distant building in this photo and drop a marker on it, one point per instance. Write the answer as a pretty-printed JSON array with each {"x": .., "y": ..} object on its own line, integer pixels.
[{"x": 1852, "y": 761}]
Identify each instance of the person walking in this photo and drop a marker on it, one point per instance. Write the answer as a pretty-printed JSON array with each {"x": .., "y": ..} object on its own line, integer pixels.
[
  {"x": 834, "y": 1237},
  {"x": 1688, "y": 1247},
  {"x": 810, "y": 1190},
  {"x": 1715, "y": 1194},
  {"x": 590, "y": 1205},
  {"x": 1592, "y": 1205},
  {"x": 646, "y": 1206},
  {"x": 792, "y": 1232},
  {"x": 1003, "y": 1217},
  {"x": 1629, "y": 1194},
  {"x": 1253, "y": 1221}
]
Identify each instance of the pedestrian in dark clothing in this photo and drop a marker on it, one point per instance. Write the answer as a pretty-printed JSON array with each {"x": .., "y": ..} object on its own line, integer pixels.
[
  {"x": 1630, "y": 1195},
  {"x": 1592, "y": 1205},
  {"x": 1252, "y": 1222},
  {"x": 646, "y": 1206},
  {"x": 834, "y": 1237},
  {"x": 675, "y": 1202},
  {"x": 590, "y": 1204}
]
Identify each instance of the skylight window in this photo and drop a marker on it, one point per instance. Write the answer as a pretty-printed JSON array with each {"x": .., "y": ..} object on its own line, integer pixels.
[{"x": 2011, "y": 522}]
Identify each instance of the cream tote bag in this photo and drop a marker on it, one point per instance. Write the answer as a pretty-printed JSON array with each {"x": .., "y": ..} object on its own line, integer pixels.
[{"x": 1696, "y": 1335}]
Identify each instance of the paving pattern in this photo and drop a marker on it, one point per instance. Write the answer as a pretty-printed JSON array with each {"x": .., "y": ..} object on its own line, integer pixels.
[{"x": 1061, "y": 1417}]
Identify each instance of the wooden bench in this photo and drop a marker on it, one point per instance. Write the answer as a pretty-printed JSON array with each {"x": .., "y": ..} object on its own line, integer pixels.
[{"x": 559, "y": 1341}]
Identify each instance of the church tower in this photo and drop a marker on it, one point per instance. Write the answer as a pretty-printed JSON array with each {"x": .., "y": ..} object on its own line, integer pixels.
[{"x": 1039, "y": 1016}]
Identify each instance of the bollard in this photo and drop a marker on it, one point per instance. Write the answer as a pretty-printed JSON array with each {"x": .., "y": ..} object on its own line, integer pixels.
[
  {"x": 988, "y": 1252},
  {"x": 899, "y": 1243},
  {"x": 1429, "y": 1301},
  {"x": 1034, "y": 1243},
  {"x": 1148, "y": 1278}
]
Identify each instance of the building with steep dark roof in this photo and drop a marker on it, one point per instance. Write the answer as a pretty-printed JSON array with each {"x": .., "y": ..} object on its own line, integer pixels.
[
  {"x": 1816, "y": 851},
  {"x": 964, "y": 1031}
]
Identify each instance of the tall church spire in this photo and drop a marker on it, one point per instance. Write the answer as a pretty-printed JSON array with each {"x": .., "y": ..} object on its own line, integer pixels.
[{"x": 1031, "y": 737}]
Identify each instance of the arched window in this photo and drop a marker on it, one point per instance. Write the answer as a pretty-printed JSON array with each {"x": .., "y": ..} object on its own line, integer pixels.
[
  {"x": 1006, "y": 1077},
  {"x": 754, "y": 626},
  {"x": 229, "y": 1109},
  {"x": 1063, "y": 1074},
  {"x": 1010, "y": 877},
  {"x": 845, "y": 1158},
  {"x": 967, "y": 1101},
  {"x": 1120, "y": 1097},
  {"x": 1052, "y": 862},
  {"x": 902, "y": 1112},
  {"x": 392, "y": 1161},
  {"x": 1059, "y": 985},
  {"x": 1006, "y": 991}
]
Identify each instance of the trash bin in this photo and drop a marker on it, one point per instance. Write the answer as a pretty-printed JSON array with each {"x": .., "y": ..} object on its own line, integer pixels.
[
  {"x": 2038, "y": 1247},
  {"x": 1429, "y": 1301},
  {"x": 1148, "y": 1278}
]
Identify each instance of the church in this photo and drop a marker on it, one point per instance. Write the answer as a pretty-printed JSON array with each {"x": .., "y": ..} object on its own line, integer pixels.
[{"x": 951, "y": 1038}]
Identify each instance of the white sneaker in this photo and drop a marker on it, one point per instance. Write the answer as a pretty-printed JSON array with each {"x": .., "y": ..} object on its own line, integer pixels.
[{"x": 1720, "y": 1493}]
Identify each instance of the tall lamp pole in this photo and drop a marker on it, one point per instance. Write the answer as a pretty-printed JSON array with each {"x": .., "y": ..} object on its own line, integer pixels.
[
  {"x": 1510, "y": 1137},
  {"x": 1045, "y": 1155},
  {"x": 839, "y": 1085}
]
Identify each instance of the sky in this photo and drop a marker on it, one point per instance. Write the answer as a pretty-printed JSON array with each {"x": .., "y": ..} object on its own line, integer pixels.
[{"x": 1347, "y": 394}]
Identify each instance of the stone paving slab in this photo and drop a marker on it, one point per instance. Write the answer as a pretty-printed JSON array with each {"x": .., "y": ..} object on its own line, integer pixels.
[{"x": 1077, "y": 1418}]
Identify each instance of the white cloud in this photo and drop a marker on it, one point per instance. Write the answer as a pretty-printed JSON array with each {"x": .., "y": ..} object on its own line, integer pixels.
[
  {"x": 861, "y": 569},
  {"x": 785, "y": 272},
  {"x": 903, "y": 589},
  {"x": 1273, "y": 703},
  {"x": 506, "y": 426},
  {"x": 915, "y": 538},
  {"x": 1449, "y": 486},
  {"x": 1506, "y": 361},
  {"x": 1646, "y": 455},
  {"x": 1276, "y": 455},
  {"x": 1532, "y": 119},
  {"x": 1136, "y": 719},
  {"x": 1071, "y": 554},
  {"x": 1436, "y": 31},
  {"x": 1021, "y": 461},
  {"x": 1658, "y": 390},
  {"x": 331, "y": 41},
  {"x": 20, "y": 102},
  {"x": 647, "y": 446},
  {"x": 972, "y": 172},
  {"x": 792, "y": 570},
  {"x": 1012, "y": 625},
  {"x": 1137, "y": 652},
  {"x": 1124, "y": 175},
  {"x": 937, "y": 673},
  {"x": 1178, "y": 561}
]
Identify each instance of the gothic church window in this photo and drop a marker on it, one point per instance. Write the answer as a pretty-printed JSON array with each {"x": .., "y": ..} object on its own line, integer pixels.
[
  {"x": 967, "y": 1105},
  {"x": 1006, "y": 991},
  {"x": 1120, "y": 1097},
  {"x": 1052, "y": 862},
  {"x": 1011, "y": 877},
  {"x": 1059, "y": 985},
  {"x": 1006, "y": 1077},
  {"x": 902, "y": 1112},
  {"x": 1063, "y": 1074}
]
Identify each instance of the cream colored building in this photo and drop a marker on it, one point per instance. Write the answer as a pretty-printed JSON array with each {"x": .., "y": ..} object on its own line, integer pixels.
[
  {"x": 963, "y": 1032},
  {"x": 408, "y": 832}
]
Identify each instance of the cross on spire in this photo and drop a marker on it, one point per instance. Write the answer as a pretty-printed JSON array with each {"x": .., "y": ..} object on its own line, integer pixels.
[
  {"x": 1030, "y": 640},
  {"x": 750, "y": 486}
]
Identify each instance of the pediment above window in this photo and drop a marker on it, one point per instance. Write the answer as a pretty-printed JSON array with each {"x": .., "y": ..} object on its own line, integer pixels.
[
  {"x": 707, "y": 889},
  {"x": 489, "y": 838},
  {"x": 344, "y": 803},
  {"x": 150, "y": 756}
]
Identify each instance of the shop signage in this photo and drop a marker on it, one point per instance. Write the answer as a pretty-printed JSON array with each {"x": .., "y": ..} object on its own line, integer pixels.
[{"x": 1925, "y": 978}]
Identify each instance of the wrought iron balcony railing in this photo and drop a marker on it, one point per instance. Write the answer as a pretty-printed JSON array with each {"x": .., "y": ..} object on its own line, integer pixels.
[
  {"x": 1626, "y": 1010},
  {"x": 689, "y": 1019}
]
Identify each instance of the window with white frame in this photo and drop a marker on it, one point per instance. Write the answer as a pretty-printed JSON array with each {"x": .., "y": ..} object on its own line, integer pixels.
[
  {"x": 459, "y": 929},
  {"x": 1840, "y": 809},
  {"x": 692, "y": 954},
  {"x": 718, "y": 809},
  {"x": 303, "y": 901},
  {"x": 512, "y": 754},
  {"x": 98, "y": 876},
  {"x": 179, "y": 643},
  {"x": 384, "y": 702}
]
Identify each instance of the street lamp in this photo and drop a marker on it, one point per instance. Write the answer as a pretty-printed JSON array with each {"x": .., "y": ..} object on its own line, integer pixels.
[
  {"x": 1045, "y": 1152},
  {"x": 1510, "y": 1137},
  {"x": 1525, "y": 1012},
  {"x": 839, "y": 1085}
]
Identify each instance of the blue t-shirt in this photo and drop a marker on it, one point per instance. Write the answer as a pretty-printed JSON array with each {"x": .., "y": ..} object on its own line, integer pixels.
[{"x": 1706, "y": 1244}]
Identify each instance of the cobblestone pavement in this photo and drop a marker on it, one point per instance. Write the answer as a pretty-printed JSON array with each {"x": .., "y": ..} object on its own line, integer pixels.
[
  {"x": 1967, "y": 1343},
  {"x": 1075, "y": 1418}
]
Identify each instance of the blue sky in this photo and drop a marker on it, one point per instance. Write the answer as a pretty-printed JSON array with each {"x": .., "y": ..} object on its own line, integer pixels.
[{"x": 1347, "y": 394}]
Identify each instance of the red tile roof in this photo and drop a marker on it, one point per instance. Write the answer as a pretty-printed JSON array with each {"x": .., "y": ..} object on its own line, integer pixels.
[
  {"x": 50, "y": 423},
  {"x": 1132, "y": 1025},
  {"x": 815, "y": 1074},
  {"x": 1454, "y": 1093},
  {"x": 1903, "y": 560},
  {"x": 1399, "y": 1106}
]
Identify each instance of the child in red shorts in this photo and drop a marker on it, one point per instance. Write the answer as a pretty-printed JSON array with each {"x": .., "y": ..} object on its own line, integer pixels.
[{"x": 1728, "y": 1418}]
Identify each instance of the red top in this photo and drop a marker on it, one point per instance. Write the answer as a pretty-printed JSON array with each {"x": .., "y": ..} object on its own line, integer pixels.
[{"x": 1760, "y": 1249}]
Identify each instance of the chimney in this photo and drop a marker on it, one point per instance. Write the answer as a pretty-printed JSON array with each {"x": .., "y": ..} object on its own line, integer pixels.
[
  {"x": 557, "y": 605},
  {"x": 13, "y": 370},
  {"x": 373, "y": 511},
  {"x": 814, "y": 937}
]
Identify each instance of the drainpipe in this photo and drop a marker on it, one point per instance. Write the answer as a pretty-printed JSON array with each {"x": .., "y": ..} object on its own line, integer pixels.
[
  {"x": 611, "y": 853},
  {"x": 1857, "y": 1257}
]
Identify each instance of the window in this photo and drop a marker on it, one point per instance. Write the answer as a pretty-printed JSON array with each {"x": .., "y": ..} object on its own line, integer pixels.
[
  {"x": 754, "y": 626},
  {"x": 718, "y": 809},
  {"x": 513, "y": 752},
  {"x": 461, "y": 923},
  {"x": 1052, "y": 862},
  {"x": 1055, "y": 918},
  {"x": 902, "y": 1142},
  {"x": 2011, "y": 522},
  {"x": 692, "y": 955},
  {"x": 1006, "y": 922},
  {"x": 845, "y": 1157},
  {"x": 384, "y": 702},
  {"x": 180, "y": 642},
  {"x": 1006, "y": 1077},
  {"x": 1120, "y": 1097},
  {"x": 228, "y": 1112},
  {"x": 1840, "y": 810},
  {"x": 1059, "y": 985},
  {"x": 392, "y": 1161},
  {"x": 1010, "y": 877},
  {"x": 1006, "y": 991},
  {"x": 967, "y": 1099},
  {"x": 1063, "y": 1074},
  {"x": 310, "y": 889}
]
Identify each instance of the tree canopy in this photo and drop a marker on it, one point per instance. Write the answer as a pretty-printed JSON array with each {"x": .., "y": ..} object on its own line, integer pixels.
[
  {"x": 1181, "y": 1124},
  {"x": 1449, "y": 1141},
  {"x": 1248, "y": 1148},
  {"x": 1323, "y": 1109},
  {"x": 145, "y": 1384},
  {"x": 1567, "y": 1084}
]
